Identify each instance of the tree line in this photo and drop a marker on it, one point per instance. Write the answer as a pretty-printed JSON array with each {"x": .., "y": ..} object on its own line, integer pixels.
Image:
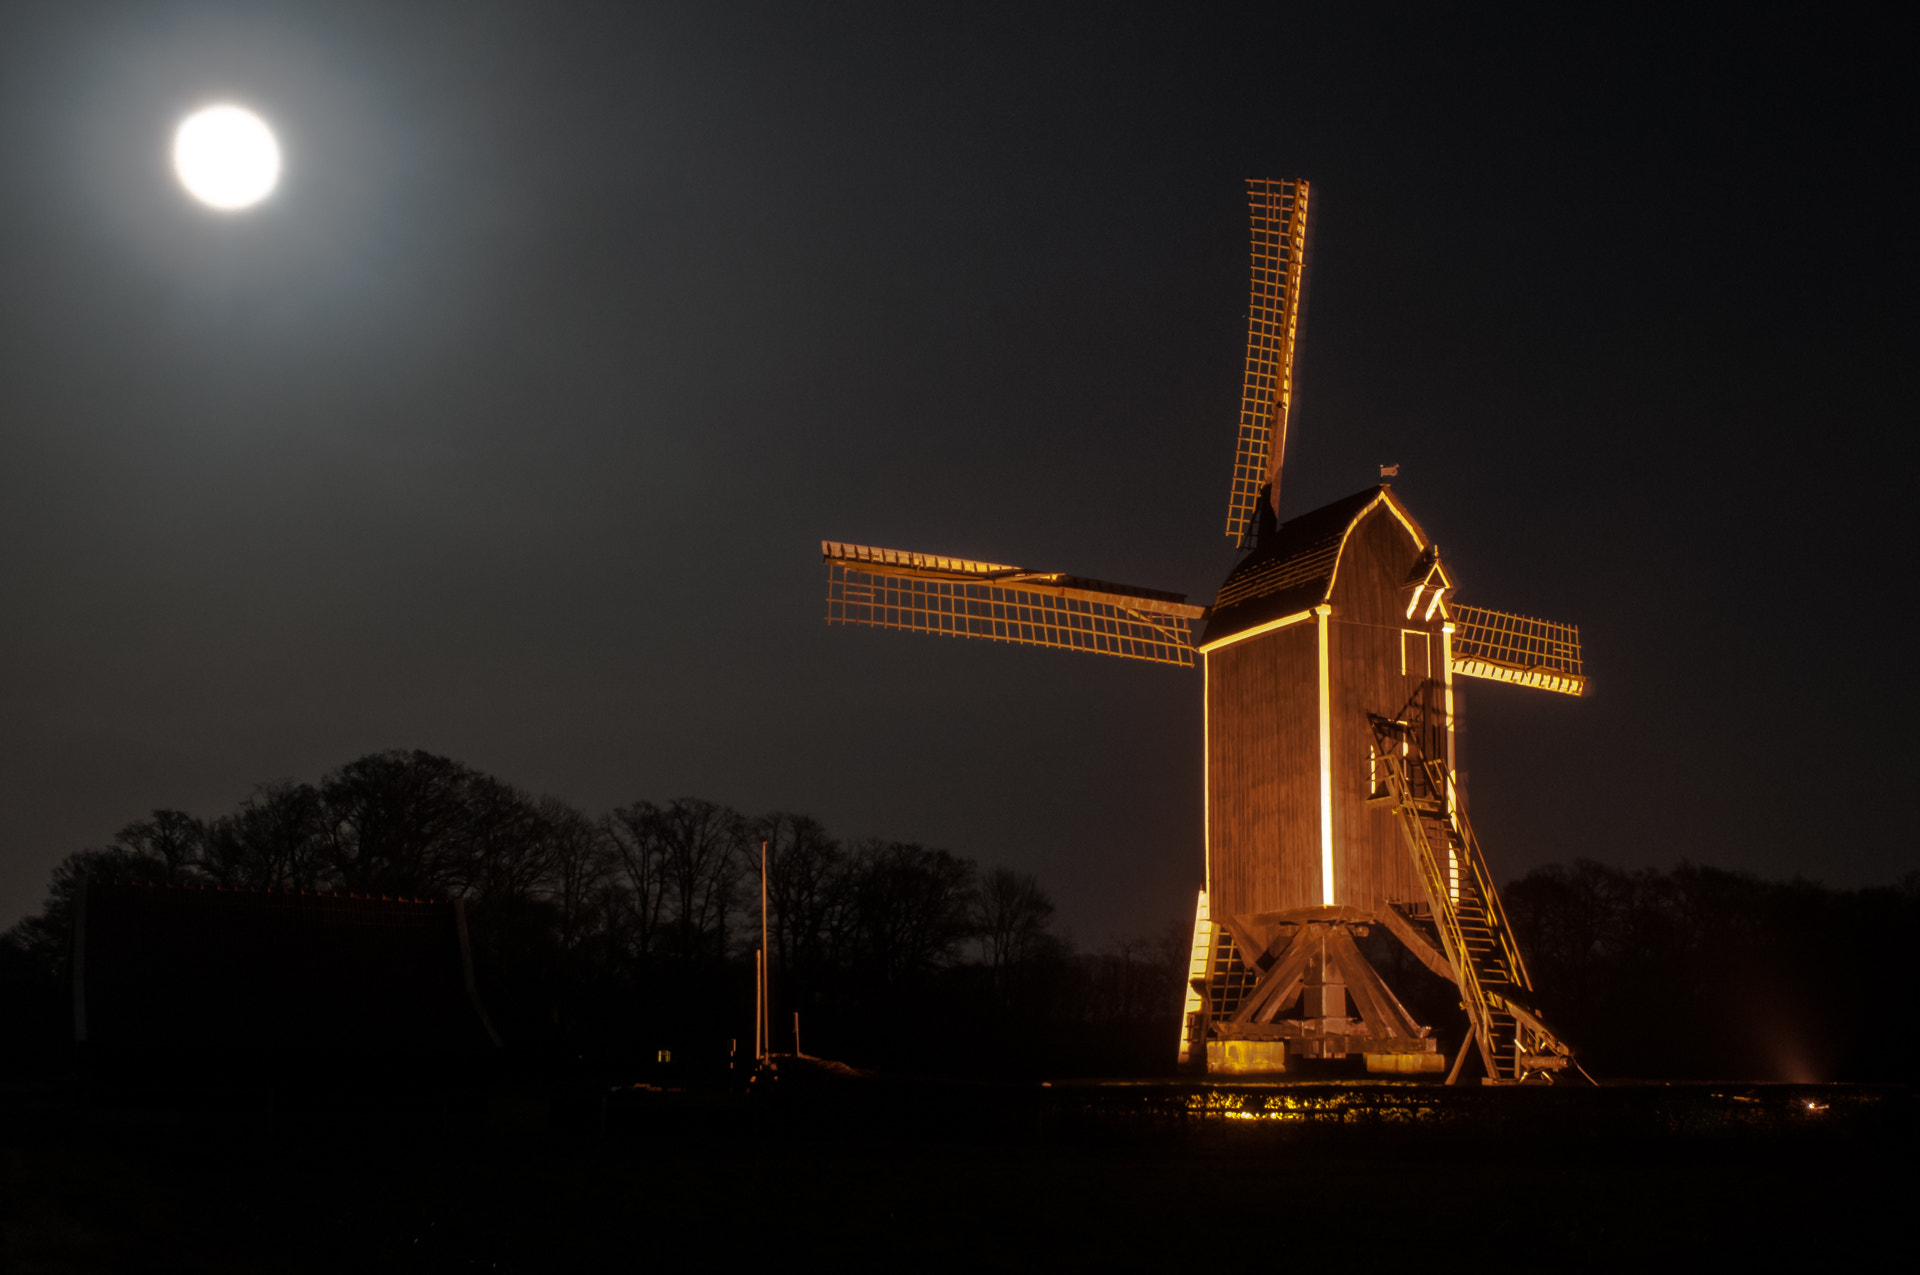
[
  {"x": 1703, "y": 973},
  {"x": 598, "y": 941},
  {"x": 595, "y": 938}
]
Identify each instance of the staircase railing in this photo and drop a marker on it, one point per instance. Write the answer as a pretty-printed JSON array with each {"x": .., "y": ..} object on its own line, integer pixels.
[{"x": 1478, "y": 941}]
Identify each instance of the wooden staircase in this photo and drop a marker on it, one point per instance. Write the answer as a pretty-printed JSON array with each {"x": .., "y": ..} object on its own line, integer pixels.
[{"x": 1514, "y": 1045}]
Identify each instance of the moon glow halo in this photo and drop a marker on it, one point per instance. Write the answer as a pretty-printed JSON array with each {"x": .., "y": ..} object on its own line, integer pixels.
[{"x": 226, "y": 157}]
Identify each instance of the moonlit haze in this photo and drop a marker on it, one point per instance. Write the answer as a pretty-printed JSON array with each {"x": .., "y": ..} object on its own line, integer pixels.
[
  {"x": 226, "y": 157},
  {"x": 483, "y": 379}
]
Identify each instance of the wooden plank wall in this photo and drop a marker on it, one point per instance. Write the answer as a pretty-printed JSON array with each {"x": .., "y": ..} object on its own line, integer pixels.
[
  {"x": 1371, "y": 860},
  {"x": 1263, "y": 771}
]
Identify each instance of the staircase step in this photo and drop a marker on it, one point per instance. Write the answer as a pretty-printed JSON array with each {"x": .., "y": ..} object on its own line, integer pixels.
[{"x": 1470, "y": 918}]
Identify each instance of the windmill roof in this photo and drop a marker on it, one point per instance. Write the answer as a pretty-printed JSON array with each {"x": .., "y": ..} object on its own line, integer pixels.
[{"x": 1295, "y": 570}]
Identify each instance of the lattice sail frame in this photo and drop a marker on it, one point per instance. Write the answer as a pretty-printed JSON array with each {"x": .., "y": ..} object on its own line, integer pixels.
[
  {"x": 1543, "y": 654},
  {"x": 959, "y": 597},
  {"x": 1278, "y": 210}
]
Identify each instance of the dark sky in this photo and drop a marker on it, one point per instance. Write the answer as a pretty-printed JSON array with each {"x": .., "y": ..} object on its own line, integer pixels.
[{"x": 509, "y": 428}]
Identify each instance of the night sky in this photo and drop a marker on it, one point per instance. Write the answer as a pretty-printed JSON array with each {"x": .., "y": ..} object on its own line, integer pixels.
[{"x": 509, "y": 427}]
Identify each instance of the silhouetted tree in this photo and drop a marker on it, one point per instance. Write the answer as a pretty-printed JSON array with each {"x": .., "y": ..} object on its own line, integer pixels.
[
  {"x": 42, "y": 939},
  {"x": 914, "y": 907},
  {"x": 172, "y": 837},
  {"x": 398, "y": 823},
  {"x": 639, "y": 917},
  {"x": 1707, "y": 973},
  {"x": 705, "y": 848},
  {"x": 274, "y": 841},
  {"x": 811, "y": 900},
  {"x": 590, "y": 931},
  {"x": 1138, "y": 979},
  {"x": 695, "y": 850},
  {"x": 1010, "y": 919},
  {"x": 505, "y": 845},
  {"x": 579, "y": 862},
  {"x": 166, "y": 847}
]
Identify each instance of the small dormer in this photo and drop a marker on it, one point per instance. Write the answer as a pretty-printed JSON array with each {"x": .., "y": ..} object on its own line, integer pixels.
[{"x": 1427, "y": 587}]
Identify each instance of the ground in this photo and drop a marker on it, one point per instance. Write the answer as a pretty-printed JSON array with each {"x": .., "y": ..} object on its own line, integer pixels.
[{"x": 900, "y": 1176}]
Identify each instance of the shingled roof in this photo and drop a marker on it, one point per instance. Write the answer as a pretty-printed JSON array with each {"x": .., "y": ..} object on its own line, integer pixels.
[{"x": 1294, "y": 570}]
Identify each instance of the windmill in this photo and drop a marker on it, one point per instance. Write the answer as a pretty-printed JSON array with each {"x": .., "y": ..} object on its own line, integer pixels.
[{"x": 1333, "y": 803}]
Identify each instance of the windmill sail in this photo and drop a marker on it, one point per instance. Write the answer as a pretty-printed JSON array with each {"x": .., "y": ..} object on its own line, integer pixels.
[
  {"x": 958, "y": 597},
  {"x": 1279, "y": 253},
  {"x": 1518, "y": 649}
]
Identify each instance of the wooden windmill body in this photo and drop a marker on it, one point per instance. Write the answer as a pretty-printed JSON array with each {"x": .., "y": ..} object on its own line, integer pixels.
[{"x": 1328, "y": 661}]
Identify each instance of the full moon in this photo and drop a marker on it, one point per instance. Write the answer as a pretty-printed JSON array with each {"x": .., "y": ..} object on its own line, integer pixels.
[{"x": 226, "y": 157}]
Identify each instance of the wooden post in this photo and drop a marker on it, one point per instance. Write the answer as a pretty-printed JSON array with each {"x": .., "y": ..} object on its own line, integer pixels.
[
  {"x": 766, "y": 958},
  {"x": 796, "y": 1033},
  {"x": 1460, "y": 1059},
  {"x": 759, "y": 1001}
]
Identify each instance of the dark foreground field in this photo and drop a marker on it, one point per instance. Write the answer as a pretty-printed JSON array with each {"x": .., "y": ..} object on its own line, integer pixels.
[{"x": 873, "y": 1174}]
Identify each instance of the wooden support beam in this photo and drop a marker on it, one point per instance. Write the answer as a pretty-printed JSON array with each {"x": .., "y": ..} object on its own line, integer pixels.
[
  {"x": 1526, "y": 1019},
  {"x": 1379, "y": 1008},
  {"x": 1417, "y": 943},
  {"x": 1283, "y": 999},
  {"x": 1300, "y": 916},
  {"x": 1324, "y": 1044},
  {"x": 1560, "y": 1054},
  {"x": 1394, "y": 1001},
  {"x": 1281, "y": 983},
  {"x": 1252, "y": 950}
]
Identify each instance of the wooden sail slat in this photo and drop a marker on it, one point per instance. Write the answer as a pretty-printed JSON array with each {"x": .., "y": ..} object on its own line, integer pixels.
[
  {"x": 1278, "y": 213},
  {"x": 1519, "y": 649},
  {"x": 1023, "y": 612}
]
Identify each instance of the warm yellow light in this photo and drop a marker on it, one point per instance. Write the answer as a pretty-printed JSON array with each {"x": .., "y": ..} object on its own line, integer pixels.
[
  {"x": 1256, "y": 631},
  {"x": 1199, "y": 967},
  {"x": 1324, "y": 612},
  {"x": 1206, "y": 769},
  {"x": 226, "y": 157}
]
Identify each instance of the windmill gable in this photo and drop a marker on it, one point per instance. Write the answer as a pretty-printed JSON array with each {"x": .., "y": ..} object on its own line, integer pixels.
[
  {"x": 1379, "y": 658},
  {"x": 1376, "y": 557},
  {"x": 1301, "y": 566},
  {"x": 1309, "y": 635}
]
